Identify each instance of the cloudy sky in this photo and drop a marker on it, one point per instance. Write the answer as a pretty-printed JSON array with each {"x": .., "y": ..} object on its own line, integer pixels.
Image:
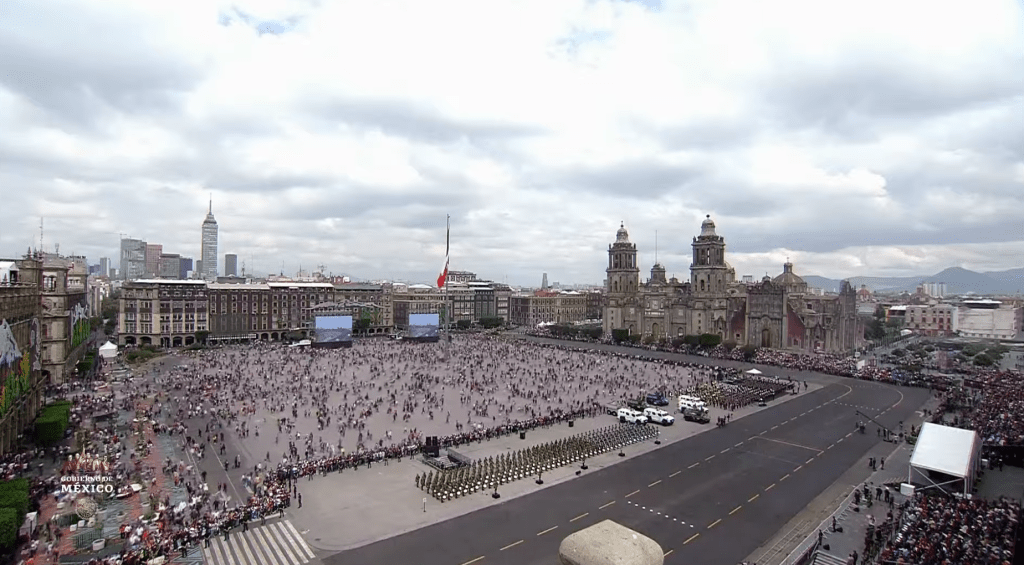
[{"x": 856, "y": 138}]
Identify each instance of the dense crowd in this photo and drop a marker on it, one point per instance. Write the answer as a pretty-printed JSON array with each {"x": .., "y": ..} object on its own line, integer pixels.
[{"x": 937, "y": 530}]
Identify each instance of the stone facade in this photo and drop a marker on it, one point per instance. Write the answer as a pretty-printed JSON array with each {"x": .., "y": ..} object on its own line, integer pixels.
[
  {"x": 776, "y": 313},
  {"x": 21, "y": 381},
  {"x": 64, "y": 320}
]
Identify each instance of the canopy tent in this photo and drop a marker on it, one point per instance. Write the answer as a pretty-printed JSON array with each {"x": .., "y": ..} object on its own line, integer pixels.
[
  {"x": 303, "y": 343},
  {"x": 754, "y": 372},
  {"x": 108, "y": 350},
  {"x": 950, "y": 451}
]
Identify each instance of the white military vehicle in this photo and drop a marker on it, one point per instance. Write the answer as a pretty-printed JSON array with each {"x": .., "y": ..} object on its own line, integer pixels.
[
  {"x": 659, "y": 416},
  {"x": 686, "y": 401},
  {"x": 630, "y": 416}
]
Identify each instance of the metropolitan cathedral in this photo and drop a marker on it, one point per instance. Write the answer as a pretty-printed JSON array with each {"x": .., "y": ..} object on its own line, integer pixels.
[{"x": 776, "y": 312}]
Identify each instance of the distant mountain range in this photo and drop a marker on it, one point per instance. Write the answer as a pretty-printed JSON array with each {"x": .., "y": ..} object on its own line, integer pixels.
[{"x": 958, "y": 281}]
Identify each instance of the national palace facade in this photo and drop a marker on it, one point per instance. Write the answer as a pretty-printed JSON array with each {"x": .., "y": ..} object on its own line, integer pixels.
[{"x": 776, "y": 312}]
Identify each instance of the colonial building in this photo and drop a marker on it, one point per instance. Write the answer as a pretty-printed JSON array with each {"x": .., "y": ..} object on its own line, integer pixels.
[
  {"x": 64, "y": 321},
  {"x": 21, "y": 382},
  {"x": 777, "y": 313},
  {"x": 546, "y": 306},
  {"x": 165, "y": 313}
]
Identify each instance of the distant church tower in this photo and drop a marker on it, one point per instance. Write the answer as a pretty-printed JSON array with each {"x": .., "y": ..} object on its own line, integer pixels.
[
  {"x": 623, "y": 282},
  {"x": 709, "y": 271}
]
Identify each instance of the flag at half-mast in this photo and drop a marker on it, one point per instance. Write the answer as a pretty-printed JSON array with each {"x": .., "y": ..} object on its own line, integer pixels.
[{"x": 444, "y": 273}]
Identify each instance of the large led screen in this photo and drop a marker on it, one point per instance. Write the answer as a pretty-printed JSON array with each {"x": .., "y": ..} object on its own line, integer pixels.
[
  {"x": 423, "y": 325},
  {"x": 333, "y": 329}
]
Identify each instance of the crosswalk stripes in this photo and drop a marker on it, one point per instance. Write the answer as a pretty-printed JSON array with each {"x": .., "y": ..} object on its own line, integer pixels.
[{"x": 277, "y": 543}]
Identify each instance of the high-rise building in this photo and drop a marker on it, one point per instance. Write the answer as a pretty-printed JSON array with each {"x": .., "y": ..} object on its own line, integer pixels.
[
  {"x": 185, "y": 264},
  {"x": 170, "y": 266},
  {"x": 197, "y": 273},
  {"x": 104, "y": 267},
  {"x": 544, "y": 282},
  {"x": 230, "y": 265},
  {"x": 153, "y": 253},
  {"x": 209, "y": 269},
  {"x": 133, "y": 259}
]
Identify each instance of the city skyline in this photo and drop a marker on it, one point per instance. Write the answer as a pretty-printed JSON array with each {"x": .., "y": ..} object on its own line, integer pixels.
[{"x": 854, "y": 140}]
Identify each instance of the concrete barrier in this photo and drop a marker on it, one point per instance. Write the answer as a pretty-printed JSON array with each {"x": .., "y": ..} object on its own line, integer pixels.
[{"x": 609, "y": 543}]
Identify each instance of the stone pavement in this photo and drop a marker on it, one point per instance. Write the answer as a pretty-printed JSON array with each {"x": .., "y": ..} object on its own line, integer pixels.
[{"x": 358, "y": 507}]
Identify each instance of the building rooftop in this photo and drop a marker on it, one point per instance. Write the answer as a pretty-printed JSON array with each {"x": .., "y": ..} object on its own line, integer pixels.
[
  {"x": 237, "y": 286},
  {"x": 167, "y": 281},
  {"x": 300, "y": 285}
]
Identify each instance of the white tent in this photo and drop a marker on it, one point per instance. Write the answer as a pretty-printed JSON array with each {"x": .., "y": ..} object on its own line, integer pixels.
[
  {"x": 754, "y": 372},
  {"x": 108, "y": 350},
  {"x": 950, "y": 451}
]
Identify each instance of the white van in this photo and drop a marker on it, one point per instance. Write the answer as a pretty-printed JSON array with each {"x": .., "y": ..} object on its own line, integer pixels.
[{"x": 686, "y": 401}]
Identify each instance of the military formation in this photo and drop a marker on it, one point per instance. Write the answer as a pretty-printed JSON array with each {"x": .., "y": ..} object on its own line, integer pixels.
[{"x": 488, "y": 473}]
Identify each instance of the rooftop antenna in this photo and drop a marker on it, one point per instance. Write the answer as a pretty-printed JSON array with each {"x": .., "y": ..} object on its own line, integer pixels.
[
  {"x": 655, "y": 247},
  {"x": 211, "y": 203},
  {"x": 41, "y": 248}
]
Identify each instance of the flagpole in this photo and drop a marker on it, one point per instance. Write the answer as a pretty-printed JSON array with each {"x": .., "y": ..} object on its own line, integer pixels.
[{"x": 448, "y": 312}]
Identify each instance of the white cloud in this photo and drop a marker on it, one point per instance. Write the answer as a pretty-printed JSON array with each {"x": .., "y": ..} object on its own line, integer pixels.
[{"x": 854, "y": 138}]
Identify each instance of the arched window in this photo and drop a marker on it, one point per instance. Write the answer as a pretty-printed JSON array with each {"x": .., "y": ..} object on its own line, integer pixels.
[
  {"x": 615, "y": 286},
  {"x": 702, "y": 285}
]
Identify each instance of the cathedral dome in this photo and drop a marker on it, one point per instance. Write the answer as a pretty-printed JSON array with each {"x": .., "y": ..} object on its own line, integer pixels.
[
  {"x": 790, "y": 279},
  {"x": 707, "y": 227},
  {"x": 622, "y": 235}
]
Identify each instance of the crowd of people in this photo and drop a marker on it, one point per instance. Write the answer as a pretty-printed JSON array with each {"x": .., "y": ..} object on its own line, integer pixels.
[
  {"x": 305, "y": 412},
  {"x": 938, "y": 530}
]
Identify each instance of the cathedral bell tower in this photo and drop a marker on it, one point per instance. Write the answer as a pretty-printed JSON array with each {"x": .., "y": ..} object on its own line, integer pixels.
[
  {"x": 623, "y": 279},
  {"x": 709, "y": 273}
]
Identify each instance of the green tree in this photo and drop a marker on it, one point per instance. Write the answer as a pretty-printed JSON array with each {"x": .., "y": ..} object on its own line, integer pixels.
[
  {"x": 983, "y": 360},
  {"x": 710, "y": 340},
  {"x": 620, "y": 335},
  {"x": 9, "y": 526},
  {"x": 202, "y": 337}
]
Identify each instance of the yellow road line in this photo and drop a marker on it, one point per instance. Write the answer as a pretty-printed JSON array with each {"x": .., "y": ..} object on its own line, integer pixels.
[
  {"x": 715, "y": 523},
  {"x": 654, "y": 483},
  {"x": 511, "y": 545},
  {"x": 753, "y": 498},
  {"x": 632, "y": 493},
  {"x": 606, "y": 505},
  {"x": 735, "y": 510},
  {"x": 584, "y": 515},
  {"x": 551, "y": 529},
  {"x": 693, "y": 537}
]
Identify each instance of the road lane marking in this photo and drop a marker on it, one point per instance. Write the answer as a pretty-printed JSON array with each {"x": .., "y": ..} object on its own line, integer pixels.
[
  {"x": 674, "y": 474},
  {"x": 654, "y": 483},
  {"x": 774, "y": 428},
  {"x": 669, "y": 552},
  {"x": 753, "y": 498},
  {"x": 632, "y": 493},
  {"x": 770, "y": 487},
  {"x": 606, "y": 505},
  {"x": 808, "y": 461},
  {"x": 735, "y": 510},
  {"x": 798, "y": 468},
  {"x": 693, "y": 537},
  {"x": 715, "y": 523},
  {"x": 784, "y": 478},
  {"x": 473, "y": 560},
  {"x": 511, "y": 545},
  {"x": 831, "y": 446},
  {"x": 584, "y": 515},
  {"x": 724, "y": 450},
  {"x": 791, "y": 444},
  {"x": 692, "y": 466},
  {"x": 710, "y": 458},
  {"x": 551, "y": 529},
  {"x": 849, "y": 434},
  {"x": 738, "y": 444}
]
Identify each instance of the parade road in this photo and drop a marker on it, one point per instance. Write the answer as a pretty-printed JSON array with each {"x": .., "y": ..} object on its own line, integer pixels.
[{"x": 710, "y": 499}]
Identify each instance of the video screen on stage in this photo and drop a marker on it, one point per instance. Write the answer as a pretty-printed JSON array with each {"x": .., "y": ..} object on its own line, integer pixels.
[
  {"x": 423, "y": 325},
  {"x": 333, "y": 329}
]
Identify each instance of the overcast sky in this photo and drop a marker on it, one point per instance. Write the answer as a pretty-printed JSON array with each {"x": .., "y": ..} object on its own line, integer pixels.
[{"x": 856, "y": 138}]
